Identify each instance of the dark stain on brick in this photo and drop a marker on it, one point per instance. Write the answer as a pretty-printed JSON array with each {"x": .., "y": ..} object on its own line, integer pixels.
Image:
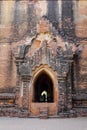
[
  {"x": 68, "y": 26},
  {"x": 32, "y": 19},
  {"x": 52, "y": 12}
]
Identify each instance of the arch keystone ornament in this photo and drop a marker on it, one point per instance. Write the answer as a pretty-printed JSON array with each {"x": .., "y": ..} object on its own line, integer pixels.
[{"x": 45, "y": 70}]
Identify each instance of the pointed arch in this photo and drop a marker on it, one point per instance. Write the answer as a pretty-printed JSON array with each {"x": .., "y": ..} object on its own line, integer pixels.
[
  {"x": 50, "y": 94},
  {"x": 44, "y": 75},
  {"x": 43, "y": 84}
]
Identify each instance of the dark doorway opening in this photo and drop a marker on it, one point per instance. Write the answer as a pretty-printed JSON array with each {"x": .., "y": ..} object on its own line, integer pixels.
[{"x": 43, "y": 88}]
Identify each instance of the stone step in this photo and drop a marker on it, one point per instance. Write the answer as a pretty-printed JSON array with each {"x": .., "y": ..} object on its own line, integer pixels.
[{"x": 43, "y": 113}]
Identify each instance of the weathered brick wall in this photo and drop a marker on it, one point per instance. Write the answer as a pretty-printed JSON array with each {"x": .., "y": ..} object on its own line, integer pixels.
[
  {"x": 7, "y": 70},
  {"x": 81, "y": 19},
  {"x": 17, "y": 22}
]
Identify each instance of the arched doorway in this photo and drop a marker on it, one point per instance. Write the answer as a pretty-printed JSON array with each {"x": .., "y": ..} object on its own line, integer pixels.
[
  {"x": 43, "y": 91},
  {"x": 43, "y": 88}
]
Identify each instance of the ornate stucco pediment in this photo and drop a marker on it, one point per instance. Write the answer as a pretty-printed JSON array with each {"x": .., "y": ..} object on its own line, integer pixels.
[{"x": 47, "y": 47}]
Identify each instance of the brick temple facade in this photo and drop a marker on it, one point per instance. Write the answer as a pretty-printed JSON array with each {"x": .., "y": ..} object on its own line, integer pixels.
[{"x": 43, "y": 53}]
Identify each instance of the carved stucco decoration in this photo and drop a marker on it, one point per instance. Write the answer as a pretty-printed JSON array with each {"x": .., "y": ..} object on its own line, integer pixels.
[{"x": 47, "y": 47}]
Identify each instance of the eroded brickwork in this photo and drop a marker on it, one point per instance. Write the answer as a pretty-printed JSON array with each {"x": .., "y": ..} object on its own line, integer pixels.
[{"x": 24, "y": 26}]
